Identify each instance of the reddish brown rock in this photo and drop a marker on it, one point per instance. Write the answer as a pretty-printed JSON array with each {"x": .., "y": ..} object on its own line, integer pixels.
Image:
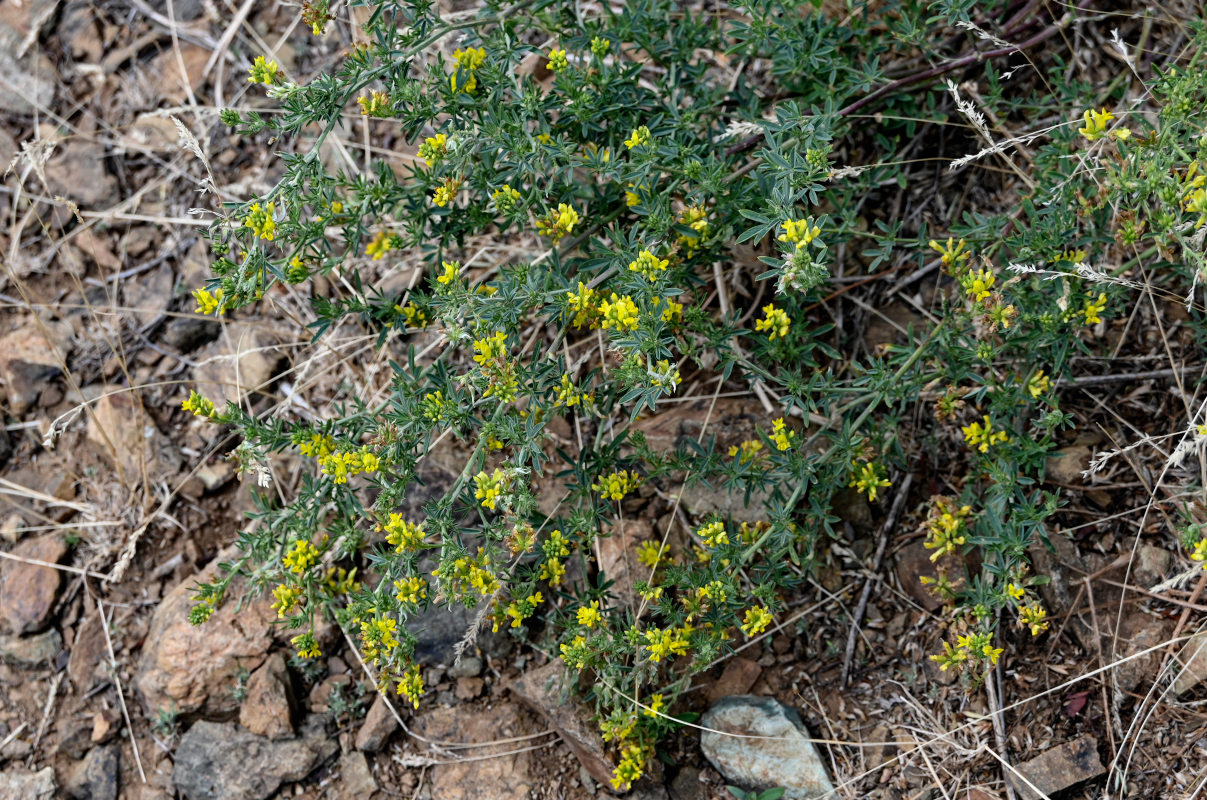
[
  {"x": 1062, "y": 767},
  {"x": 267, "y": 709},
  {"x": 468, "y": 688},
  {"x": 737, "y": 678},
  {"x": 186, "y": 666},
  {"x": 28, "y": 591},
  {"x": 913, "y": 563},
  {"x": 548, "y": 690},
  {"x": 123, "y": 431},
  {"x": 378, "y": 727},
  {"x": 503, "y": 777}
]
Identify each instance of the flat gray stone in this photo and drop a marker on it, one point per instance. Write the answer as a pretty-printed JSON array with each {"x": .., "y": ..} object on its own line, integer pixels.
[
  {"x": 785, "y": 758},
  {"x": 224, "y": 761}
]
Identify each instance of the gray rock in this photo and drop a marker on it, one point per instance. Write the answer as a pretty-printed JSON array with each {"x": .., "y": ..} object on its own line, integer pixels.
[
  {"x": 356, "y": 779},
  {"x": 467, "y": 667},
  {"x": 31, "y": 651},
  {"x": 787, "y": 760},
  {"x": 378, "y": 727},
  {"x": 95, "y": 778},
  {"x": 20, "y": 784},
  {"x": 549, "y": 690},
  {"x": 1060, "y": 768},
  {"x": 224, "y": 761}
]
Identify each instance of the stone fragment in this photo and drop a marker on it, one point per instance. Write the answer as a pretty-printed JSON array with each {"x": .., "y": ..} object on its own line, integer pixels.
[
  {"x": 618, "y": 557},
  {"x": 1062, "y": 767},
  {"x": 356, "y": 780},
  {"x": 1065, "y": 466},
  {"x": 700, "y": 500},
  {"x": 31, "y": 651},
  {"x": 378, "y": 727},
  {"x": 912, "y": 564},
  {"x": 786, "y": 759},
  {"x": 468, "y": 688},
  {"x": 26, "y": 83},
  {"x": 147, "y": 296},
  {"x": 1193, "y": 659},
  {"x": 267, "y": 709},
  {"x": 737, "y": 678},
  {"x": 186, "y": 666},
  {"x": 96, "y": 776},
  {"x": 28, "y": 359},
  {"x": 21, "y": 784},
  {"x": 548, "y": 691},
  {"x": 224, "y": 761},
  {"x": 122, "y": 429},
  {"x": 88, "y": 651},
  {"x": 77, "y": 171},
  {"x": 243, "y": 360},
  {"x": 467, "y": 667},
  {"x": 28, "y": 591},
  {"x": 503, "y": 777}
]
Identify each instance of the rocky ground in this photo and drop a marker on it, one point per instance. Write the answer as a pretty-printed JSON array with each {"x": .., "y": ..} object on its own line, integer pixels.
[{"x": 114, "y": 503}]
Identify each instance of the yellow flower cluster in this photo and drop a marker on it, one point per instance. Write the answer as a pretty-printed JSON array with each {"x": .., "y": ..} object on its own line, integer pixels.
[
  {"x": 317, "y": 446},
  {"x": 775, "y": 320},
  {"x": 619, "y": 312},
  {"x": 747, "y": 451},
  {"x": 287, "y": 599},
  {"x": 663, "y": 643},
  {"x": 520, "y": 610},
  {"x": 673, "y": 311},
  {"x": 491, "y": 348},
  {"x": 490, "y": 488},
  {"x": 975, "y": 645},
  {"x": 979, "y": 284},
  {"x": 780, "y": 435},
  {"x": 650, "y": 553},
  {"x": 557, "y": 222},
  {"x": 209, "y": 303},
  {"x": 557, "y": 60},
  {"x": 402, "y": 534},
  {"x": 1198, "y": 552},
  {"x": 306, "y": 645},
  {"x": 434, "y": 149},
  {"x": 413, "y": 316},
  {"x": 569, "y": 395},
  {"x": 199, "y": 405},
  {"x": 696, "y": 218},
  {"x": 377, "y": 638},
  {"x": 616, "y": 485},
  {"x": 630, "y": 768},
  {"x": 584, "y": 304},
  {"x": 799, "y": 232},
  {"x": 869, "y": 479},
  {"x": 341, "y": 466},
  {"x": 446, "y": 192},
  {"x": 302, "y": 557},
  {"x": 1038, "y": 384},
  {"x": 260, "y": 220},
  {"x": 589, "y": 616},
  {"x": 1095, "y": 124},
  {"x": 952, "y": 253},
  {"x": 468, "y": 61},
  {"x": 945, "y": 527},
  {"x": 714, "y": 534},
  {"x": 664, "y": 376},
  {"x": 640, "y": 137},
  {"x": 649, "y": 265},
  {"x": 1093, "y": 308},
  {"x": 410, "y": 685},
  {"x": 575, "y": 653},
  {"x": 377, "y": 104},
  {"x": 381, "y": 244},
  {"x": 756, "y": 621},
  {"x": 1034, "y": 617},
  {"x": 982, "y": 437},
  {"x": 505, "y": 198},
  {"x": 263, "y": 71}
]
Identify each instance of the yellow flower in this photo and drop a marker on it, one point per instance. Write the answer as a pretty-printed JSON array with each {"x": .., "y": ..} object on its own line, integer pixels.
[
  {"x": 664, "y": 643},
  {"x": 1038, "y": 384},
  {"x": 655, "y": 706},
  {"x": 983, "y": 437},
  {"x": 696, "y": 218},
  {"x": 468, "y": 61},
  {"x": 402, "y": 534},
  {"x": 557, "y": 222},
  {"x": 951, "y": 253},
  {"x": 747, "y": 451},
  {"x": 1093, "y": 308},
  {"x": 553, "y": 571},
  {"x": 799, "y": 232},
  {"x": 756, "y": 621},
  {"x": 575, "y": 653},
  {"x": 410, "y": 685},
  {"x": 649, "y": 553},
  {"x": 287, "y": 598},
  {"x": 616, "y": 485},
  {"x": 1095, "y": 123},
  {"x": 673, "y": 311},
  {"x": 413, "y": 316},
  {"x": 869, "y": 479},
  {"x": 589, "y": 616},
  {"x": 307, "y": 647},
  {"x": 199, "y": 405},
  {"x": 381, "y": 244},
  {"x": 448, "y": 273},
  {"x": 714, "y": 534},
  {"x": 946, "y": 527},
  {"x": 491, "y": 348},
  {"x": 557, "y": 60},
  {"x": 619, "y": 313},
  {"x": 630, "y": 768},
  {"x": 639, "y": 137},
  {"x": 490, "y": 488},
  {"x": 648, "y": 265},
  {"x": 434, "y": 148},
  {"x": 774, "y": 320},
  {"x": 260, "y": 220},
  {"x": 505, "y": 198},
  {"x": 584, "y": 305},
  {"x": 781, "y": 435},
  {"x": 1199, "y": 552},
  {"x": 446, "y": 192},
  {"x": 1015, "y": 591},
  {"x": 377, "y": 104},
  {"x": 303, "y": 556},
  {"x": 1033, "y": 617},
  {"x": 263, "y": 71},
  {"x": 599, "y": 46},
  {"x": 979, "y": 284},
  {"x": 410, "y": 590}
]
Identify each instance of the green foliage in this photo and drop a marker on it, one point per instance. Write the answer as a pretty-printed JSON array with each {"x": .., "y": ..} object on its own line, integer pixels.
[{"x": 639, "y": 172}]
